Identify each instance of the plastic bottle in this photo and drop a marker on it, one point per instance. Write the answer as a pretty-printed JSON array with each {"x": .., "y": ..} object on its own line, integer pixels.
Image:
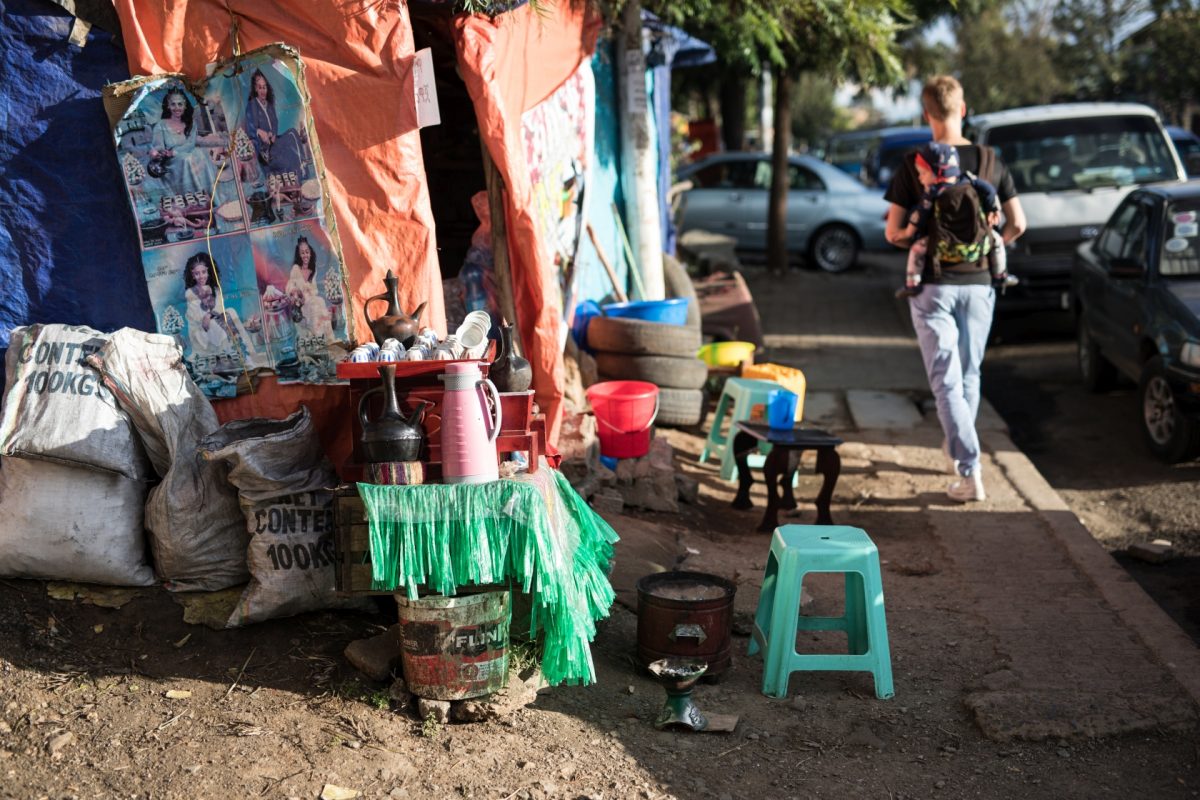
[{"x": 475, "y": 295}]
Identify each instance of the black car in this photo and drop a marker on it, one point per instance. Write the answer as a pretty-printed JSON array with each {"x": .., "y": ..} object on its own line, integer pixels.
[{"x": 1136, "y": 295}]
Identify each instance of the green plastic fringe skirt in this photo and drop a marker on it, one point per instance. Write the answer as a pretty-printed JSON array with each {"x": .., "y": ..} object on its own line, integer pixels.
[{"x": 534, "y": 530}]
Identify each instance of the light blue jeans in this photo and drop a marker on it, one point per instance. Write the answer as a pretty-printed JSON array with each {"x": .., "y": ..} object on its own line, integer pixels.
[{"x": 952, "y": 324}]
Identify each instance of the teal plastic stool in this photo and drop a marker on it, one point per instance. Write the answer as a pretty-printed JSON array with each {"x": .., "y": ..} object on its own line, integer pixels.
[
  {"x": 797, "y": 550},
  {"x": 743, "y": 394}
]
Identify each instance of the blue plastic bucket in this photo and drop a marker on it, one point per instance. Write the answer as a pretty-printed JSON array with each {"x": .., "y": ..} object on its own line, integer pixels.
[
  {"x": 583, "y": 315},
  {"x": 670, "y": 312}
]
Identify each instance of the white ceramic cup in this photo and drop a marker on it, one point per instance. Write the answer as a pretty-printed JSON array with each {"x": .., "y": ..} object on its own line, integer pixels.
[{"x": 473, "y": 334}]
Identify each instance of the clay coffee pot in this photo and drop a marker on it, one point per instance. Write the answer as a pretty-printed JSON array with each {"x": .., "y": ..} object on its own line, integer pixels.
[
  {"x": 391, "y": 436},
  {"x": 510, "y": 372},
  {"x": 394, "y": 324}
]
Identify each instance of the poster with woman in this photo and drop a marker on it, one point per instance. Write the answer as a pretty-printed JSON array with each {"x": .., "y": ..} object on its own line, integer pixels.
[
  {"x": 300, "y": 289},
  {"x": 277, "y": 170},
  {"x": 204, "y": 295},
  {"x": 240, "y": 253},
  {"x": 173, "y": 146}
]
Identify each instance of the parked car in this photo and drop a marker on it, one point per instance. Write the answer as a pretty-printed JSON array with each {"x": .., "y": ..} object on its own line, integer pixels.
[
  {"x": 1072, "y": 164},
  {"x": 1187, "y": 145},
  {"x": 847, "y": 151},
  {"x": 888, "y": 153},
  {"x": 830, "y": 216},
  {"x": 1136, "y": 292}
]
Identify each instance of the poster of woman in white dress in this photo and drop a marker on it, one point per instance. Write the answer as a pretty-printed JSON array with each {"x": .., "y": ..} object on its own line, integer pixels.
[
  {"x": 202, "y": 299},
  {"x": 172, "y": 146},
  {"x": 302, "y": 295}
]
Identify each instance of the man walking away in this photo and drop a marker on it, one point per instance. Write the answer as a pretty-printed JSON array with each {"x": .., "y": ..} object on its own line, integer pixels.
[{"x": 952, "y": 314}]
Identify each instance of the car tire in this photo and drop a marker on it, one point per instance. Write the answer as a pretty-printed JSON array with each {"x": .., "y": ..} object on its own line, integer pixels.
[
  {"x": 1170, "y": 434},
  {"x": 1097, "y": 372},
  {"x": 834, "y": 248},
  {"x": 680, "y": 408},
  {"x": 679, "y": 284},
  {"x": 638, "y": 337},
  {"x": 665, "y": 372}
]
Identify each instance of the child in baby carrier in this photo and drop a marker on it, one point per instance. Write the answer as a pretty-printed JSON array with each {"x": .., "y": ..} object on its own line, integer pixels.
[{"x": 952, "y": 218}]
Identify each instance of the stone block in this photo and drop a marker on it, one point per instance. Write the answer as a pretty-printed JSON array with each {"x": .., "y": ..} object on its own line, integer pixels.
[
  {"x": 1151, "y": 552},
  {"x": 608, "y": 501},
  {"x": 688, "y": 489},
  {"x": 577, "y": 435},
  {"x": 438, "y": 709},
  {"x": 378, "y": 656}
]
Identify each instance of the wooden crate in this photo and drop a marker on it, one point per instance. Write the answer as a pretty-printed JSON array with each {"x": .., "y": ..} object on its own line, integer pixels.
[{"x": 352, "y": 543}]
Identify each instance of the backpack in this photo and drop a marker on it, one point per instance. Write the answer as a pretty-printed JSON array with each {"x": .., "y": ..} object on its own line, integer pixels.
[{"x": 959, "y": 235}]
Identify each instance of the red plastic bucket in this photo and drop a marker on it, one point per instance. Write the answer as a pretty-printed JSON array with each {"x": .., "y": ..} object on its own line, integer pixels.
[{"x": 625, "y": 414}]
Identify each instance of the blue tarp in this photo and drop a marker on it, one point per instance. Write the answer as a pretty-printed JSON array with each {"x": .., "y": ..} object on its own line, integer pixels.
[
  {"x": 68, "y": 244},
  {"x": 670, "y": 48}
]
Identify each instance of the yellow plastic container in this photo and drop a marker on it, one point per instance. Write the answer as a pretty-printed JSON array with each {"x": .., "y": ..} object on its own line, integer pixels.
[
  {"x": 789, "y": 378},
  {"x": 726, "y": 354}
]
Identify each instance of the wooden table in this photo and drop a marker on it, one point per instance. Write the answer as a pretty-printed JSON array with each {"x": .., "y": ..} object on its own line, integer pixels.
[{"x": 779, "y": 471}]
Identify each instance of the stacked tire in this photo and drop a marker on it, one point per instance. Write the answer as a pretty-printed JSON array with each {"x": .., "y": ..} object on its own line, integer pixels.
[{"x": 662, "y": 354}]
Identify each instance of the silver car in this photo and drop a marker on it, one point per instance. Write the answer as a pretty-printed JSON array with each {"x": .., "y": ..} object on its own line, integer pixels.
[{"x": 830, "y": 215}]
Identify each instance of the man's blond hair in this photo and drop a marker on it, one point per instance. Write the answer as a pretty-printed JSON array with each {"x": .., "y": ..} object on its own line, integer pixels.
[{"x": 942, "y": 97}]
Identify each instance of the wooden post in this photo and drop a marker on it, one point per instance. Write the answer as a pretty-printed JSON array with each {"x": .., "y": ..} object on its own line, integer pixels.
[{"x": 495, "y": 190}]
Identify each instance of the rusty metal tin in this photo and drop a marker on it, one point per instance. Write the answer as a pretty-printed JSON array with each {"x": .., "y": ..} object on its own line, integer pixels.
[
  {"x": 453, "y": 648},
  {"x": 685, "y": 615}
]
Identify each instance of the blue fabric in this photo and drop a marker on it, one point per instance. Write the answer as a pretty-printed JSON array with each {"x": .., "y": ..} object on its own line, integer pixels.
[
  {"x": 604, "y": 187},
  {"x": 68, "y": 244},
  {"x": 670, "y": 48},
  {"x": 952, "y": 324}
]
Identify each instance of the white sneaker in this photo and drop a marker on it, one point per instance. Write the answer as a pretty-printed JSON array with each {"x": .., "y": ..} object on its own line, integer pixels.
[
  {"x": 968, "y": 489},
  {"x": 950, "y": 460}
]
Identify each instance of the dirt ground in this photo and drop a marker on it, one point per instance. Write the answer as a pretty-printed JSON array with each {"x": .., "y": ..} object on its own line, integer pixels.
[{"x": 276, "y": 711}]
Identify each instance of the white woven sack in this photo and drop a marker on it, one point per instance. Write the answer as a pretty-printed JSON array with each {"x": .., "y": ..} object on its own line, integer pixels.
[
  {"x": 197, "y": 535},
  {"x": 71, "y": 524},
  {"x": 55, "y": 407}
]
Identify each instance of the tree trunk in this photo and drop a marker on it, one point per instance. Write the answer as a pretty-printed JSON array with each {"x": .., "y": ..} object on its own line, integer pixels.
[
  {"x": 732, "y": 100},
  {"x": 639, "y": 157},
  {"x": 777, "y": 253}
]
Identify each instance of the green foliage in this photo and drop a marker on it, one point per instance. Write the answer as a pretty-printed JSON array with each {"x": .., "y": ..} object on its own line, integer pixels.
[
  {"x": 853, "y": 39},
  {"x": 430, "y": 727},
  {"x": 1161, "y": 61},
  {"x": 1006, "y": 59},
  {"x": 1090, "y": 53},
  {"x": 815, "y": 115}
]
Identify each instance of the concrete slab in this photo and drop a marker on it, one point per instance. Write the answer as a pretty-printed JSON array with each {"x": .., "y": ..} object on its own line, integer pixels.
[
  {"x": 876, "y": 410},
  {"x": 826, "y": 410}
]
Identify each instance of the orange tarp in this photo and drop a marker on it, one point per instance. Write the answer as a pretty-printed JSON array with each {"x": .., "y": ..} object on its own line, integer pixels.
[
  {"x": 510, "y": 64},
  {"x": 358, "y": 67}
]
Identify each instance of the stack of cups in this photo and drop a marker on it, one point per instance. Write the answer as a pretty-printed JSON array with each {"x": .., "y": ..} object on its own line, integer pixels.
[
  {"x": 392, "y": 350},
  {"x": 368, "y": 351},
  {"x": 472, "y": 335}
]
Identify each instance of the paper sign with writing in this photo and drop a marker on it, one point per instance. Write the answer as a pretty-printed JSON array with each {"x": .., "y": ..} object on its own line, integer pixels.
[{"x": 425, "y": 90}]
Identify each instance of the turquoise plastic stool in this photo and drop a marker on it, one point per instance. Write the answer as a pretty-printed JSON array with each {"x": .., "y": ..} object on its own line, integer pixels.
[
  {"x": 743, "y": 394},
  {"x": 797, "y": 550}
]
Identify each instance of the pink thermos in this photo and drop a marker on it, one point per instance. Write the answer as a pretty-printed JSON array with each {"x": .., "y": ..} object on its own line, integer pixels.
[{"x": 469, "y": 431}]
